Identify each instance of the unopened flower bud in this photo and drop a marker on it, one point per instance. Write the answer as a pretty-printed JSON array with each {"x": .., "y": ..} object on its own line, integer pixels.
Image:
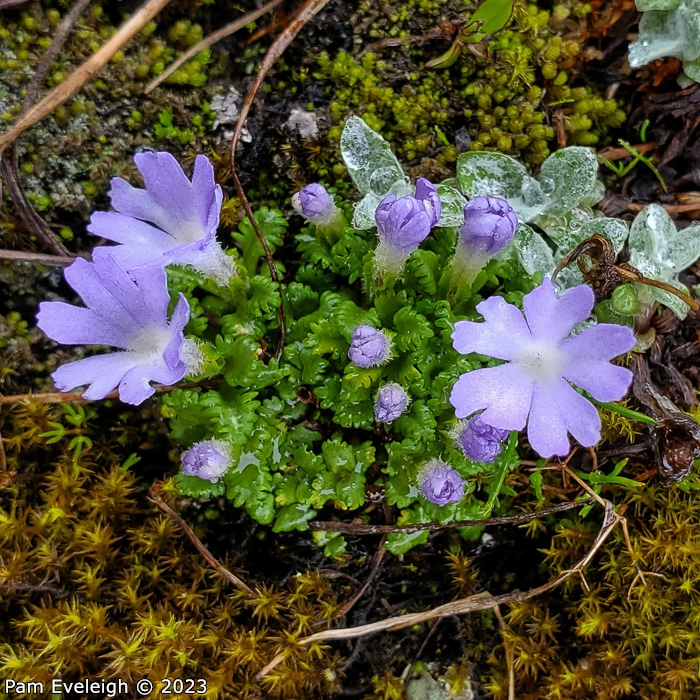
[
  {"x": 369, "y": 347},
  {"x": 314, "y": 203},
  {"x": 391, "y": 402},
  {"x": 427, "y": 194},
  {"x": 403, "y": 223},
  {"x": 440, "y": 484},
  {"x": 479, "y": 441},
  {"x": 489, "y": 225},
  {"x": 208, "y": 459}
]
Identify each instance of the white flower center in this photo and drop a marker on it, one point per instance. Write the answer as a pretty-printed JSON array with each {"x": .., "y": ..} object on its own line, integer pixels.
[
  {"x": 541, "y": 362},
  {"x": 189, "y": 232},
  {"x": 151, "y": 342}
]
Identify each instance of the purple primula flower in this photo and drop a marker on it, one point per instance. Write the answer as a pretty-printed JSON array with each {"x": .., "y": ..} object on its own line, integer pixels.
[
  {"x": 489, "y": 225},
  {"x": 427, "y": 194},
  {"x": 478, "y": 440},
  {"x": 369, "y": 347},
  {"x": 440, "y": 484},
  {"x": 172, "y": 221},
  {"x": 542, "y": 362},
  {"x": 209, "y": 459},
  {"x": 127, "y": 311},
  {"x": 391, "y": 402}
]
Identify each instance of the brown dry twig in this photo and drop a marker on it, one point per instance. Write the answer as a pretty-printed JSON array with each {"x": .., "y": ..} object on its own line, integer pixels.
[
  {"x": 305, "y": 13},
  {"x": 37, "y": 258},
  {"x": 155, "y": 497},
  {"x": 213, "y": 38},
  {"x": 77, "y": 396},
  {"x": 84, "y": 73},
  {"x": 362, "y": 529}
]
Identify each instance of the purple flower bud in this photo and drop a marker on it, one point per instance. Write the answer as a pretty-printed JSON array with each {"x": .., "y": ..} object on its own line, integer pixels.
[
  {"x": 369, "y": 347},
  {"x": 402, "y": 223},
  {"x": 391, "y": 402},
  {"x": 314, "y": 202},
  {"x": 489, "y": 224},
  {"x": 208, "y": 459},
  {"x": 479, "y": 441},
  {"x": 426, "y": 193},
  {"x": 440, "y": 484}
]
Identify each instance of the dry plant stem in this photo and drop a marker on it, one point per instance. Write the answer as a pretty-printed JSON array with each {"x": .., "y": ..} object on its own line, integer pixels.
[
  {"x": 84, "y": 73},
  {"x": 356, "y": 529},
  {"x": 37, "y": 258},
  {"x": 156, "y": 498},
  {"x": 510, "y": 656},
  {"x": 281, "y": 315},
  {"x": 376, "y": 561},
  {"x": 77, "y": 396},
  {"x": 213, "y": 38},
  {"x": 471, "y": 604}
]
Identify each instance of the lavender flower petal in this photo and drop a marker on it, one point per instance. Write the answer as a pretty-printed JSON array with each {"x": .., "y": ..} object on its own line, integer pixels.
[
  {"x": 502, "y": 334},
  {"x": 557, "y": 408},
  {"x": 551, "y": 319},
  {"x": 428, "y": 195},
  {"x": 587, "y": 361},
  {"x": 503, "y": 391},
  {"x": 101, "y": 374},
  {"x": 186, "y": 210},
  {"x": 73, "y": 325}
]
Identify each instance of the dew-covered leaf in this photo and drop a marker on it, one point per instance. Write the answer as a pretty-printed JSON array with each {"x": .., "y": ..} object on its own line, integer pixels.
[{"x": 567, "y": 177}]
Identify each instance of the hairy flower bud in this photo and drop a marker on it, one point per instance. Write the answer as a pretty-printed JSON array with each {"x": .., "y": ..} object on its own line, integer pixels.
[
  {"x": 208, "y": 459},
  {"x": 314, "y": 203},
  {"x": 427, "y": 194},
  {"x": 479, "y": 441},
  {"x": 440, "y": 484},
  {"x": 369, "y": 347},
  {"x": 391, "y": 402}
]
